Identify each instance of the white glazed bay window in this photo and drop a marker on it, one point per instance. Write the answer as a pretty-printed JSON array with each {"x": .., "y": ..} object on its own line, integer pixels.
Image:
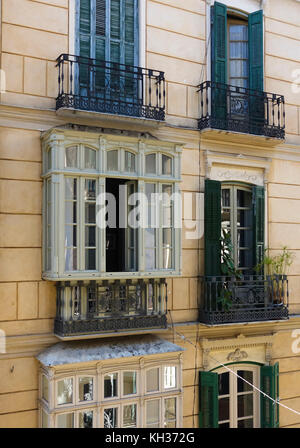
[
  {"x": 132, "y": 393},
  {"x": 86, "y": 178}
]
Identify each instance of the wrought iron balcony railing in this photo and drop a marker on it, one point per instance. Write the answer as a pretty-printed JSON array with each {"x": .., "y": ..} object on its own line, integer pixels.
[
  {"x": 246, "y": 299},
  {"x": 110, "y": 306},
  {"x": 242, "y": 110},
  {"x": 110, "y": 88}
]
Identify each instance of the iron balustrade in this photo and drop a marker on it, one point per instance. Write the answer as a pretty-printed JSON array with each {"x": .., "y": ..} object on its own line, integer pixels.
[
  {"x": 110, "y": 306},
  {"x": 110, "y": 88},
  {"x": 246, "y": 299},
  {"x": 237, "y": 109}
]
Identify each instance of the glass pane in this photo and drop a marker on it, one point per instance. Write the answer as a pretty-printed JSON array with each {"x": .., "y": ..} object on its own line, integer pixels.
[
  {"x": 238, "y": 68},
  {"x": 238, "y": 50},
  {"x": 150, "y": 238},
  {"x": 112, "y": 160},
  {"x": 248, "y": 376},
  {"x": 70, "y": 236},
  {"x": 152, "y": 413},
  {"x": 168, "y": 190},
  {"x": 245, "y": 405},
  {"x": 150, "y": 259},
  {"x": 224, "y": 383},
  {"x": 170, "y": 412},
  {"x": 169, "y": 377},
  {"x": 65, "y": 391},
  {"x": 45, "y": 388},
  {"x": 167, "y": 237},
  {"x": 239, "y": 32},
  {"x": 49, "y": 159},
  {"x": 90, "y": 190},
  {"x": 65, "y": 420},
  {"x": 247, "y": 423},
  {"x": 129, "y": 416},
  {"x": 71, "y": 157},
  {"x": 70, "y": 212},
  {"x": 85, "y": 389},
  {"x": 90, "y": 158},
  {"x": 90, "y": 236},
  {"x": 167, "y": 258},
  {"x": 223, "y": 409},
  {"x": 244, "y": 198},
  {"x": 224, "y": 425},
  {"x": 44, "y": 419},
  {"x": 151, "y": 164},
  {"x": 225, "y": 197},
  {"x": 90, "y": 213},
  {"x": 111, "y": 385},
  {"x": 152, "y": 380},
  {"x": 111, "y": 418},
  {"x": 70, "y": 188},
  {"x": 244, "y": 218},
  {"x": 166, "y": 165},
  {"x": 129, "y": 162},
  {"x": 129, "y": 383},
  {"x": 70, "y": 259},
  {"x": 85, "y": 419}
]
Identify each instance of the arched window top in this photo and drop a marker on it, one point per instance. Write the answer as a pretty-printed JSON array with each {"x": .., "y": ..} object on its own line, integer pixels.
[
  {"x": 71, "y": 157},
  {"x": 90, "y": 157}
]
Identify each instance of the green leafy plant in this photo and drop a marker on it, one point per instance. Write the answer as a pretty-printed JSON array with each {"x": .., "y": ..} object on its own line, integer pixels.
[
  {"x": 224, "y": 300},
  {"x": 276, "y": 264},
  {"x": 276, "y": 267}
]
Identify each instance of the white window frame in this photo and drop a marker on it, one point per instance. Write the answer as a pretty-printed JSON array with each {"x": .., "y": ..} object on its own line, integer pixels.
[
  {"x": 52, "y": 409},
  {"x": 233, "y": 394}
]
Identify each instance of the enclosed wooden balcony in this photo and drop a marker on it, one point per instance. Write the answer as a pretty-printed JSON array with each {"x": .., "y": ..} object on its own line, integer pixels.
[{"x": 109, "y": 307}]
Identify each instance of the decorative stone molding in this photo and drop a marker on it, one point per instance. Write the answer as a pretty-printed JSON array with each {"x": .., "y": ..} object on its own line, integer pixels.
[
  {"x": 237, "y": 167},
  {"x": 237, "y": 355},
  {"x": 250, "y": 348}
]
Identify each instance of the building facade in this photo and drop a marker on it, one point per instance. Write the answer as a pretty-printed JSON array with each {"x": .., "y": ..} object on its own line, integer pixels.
[{"x": 150, "y": 158}]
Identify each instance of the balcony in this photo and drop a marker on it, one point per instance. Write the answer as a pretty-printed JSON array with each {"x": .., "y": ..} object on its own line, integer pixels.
[
  {"x": 109, "y": 88},
  {"x": 237, "y": 109},
  {"x": 246, "y": 299},
  {"x": 106, "y": 307}
]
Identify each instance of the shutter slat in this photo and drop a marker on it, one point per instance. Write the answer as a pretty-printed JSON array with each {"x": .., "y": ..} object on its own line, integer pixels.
[
  {"x": 208, "y": 400},
  {"x": 129, "y": 21},
  {"x": 85, "y": 16},
  {"x": 115, "y": 16},
  {"x": 212, "y": 227},
  {"x": 100, "y": 17},
  {"x": 258, "y": 194}
]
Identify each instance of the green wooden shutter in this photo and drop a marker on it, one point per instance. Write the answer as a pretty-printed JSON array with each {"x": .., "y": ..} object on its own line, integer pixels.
[
  {"x": 256, "y": 55},
  {"x": 208, "y": 400},
  {"x": 212, "y": 227},
  {"x": 256, "y": 74},
  {"x": 258, "y": 196},
  {"x": 269, "y": 383},
  {"x": 84, "y": 43},
  {"x": 100, "y": 46},
  {"x": 219, "y": 63}
]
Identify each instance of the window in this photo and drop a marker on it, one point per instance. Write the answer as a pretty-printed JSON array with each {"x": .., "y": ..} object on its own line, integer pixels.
[
  {"x": 237, "y": 47},
  {"x": 227, "y": 400},
  {"x": 108, "y": 30},
  {"x": 111, "y": 208},
  {"x": 237, "y": 210},
  {"x": 237, "y": 221},
  {"x": 124, "y": 401}
]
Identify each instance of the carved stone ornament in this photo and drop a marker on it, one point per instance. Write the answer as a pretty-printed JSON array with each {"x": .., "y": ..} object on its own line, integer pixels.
[{"x": 237, "y": 355}]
